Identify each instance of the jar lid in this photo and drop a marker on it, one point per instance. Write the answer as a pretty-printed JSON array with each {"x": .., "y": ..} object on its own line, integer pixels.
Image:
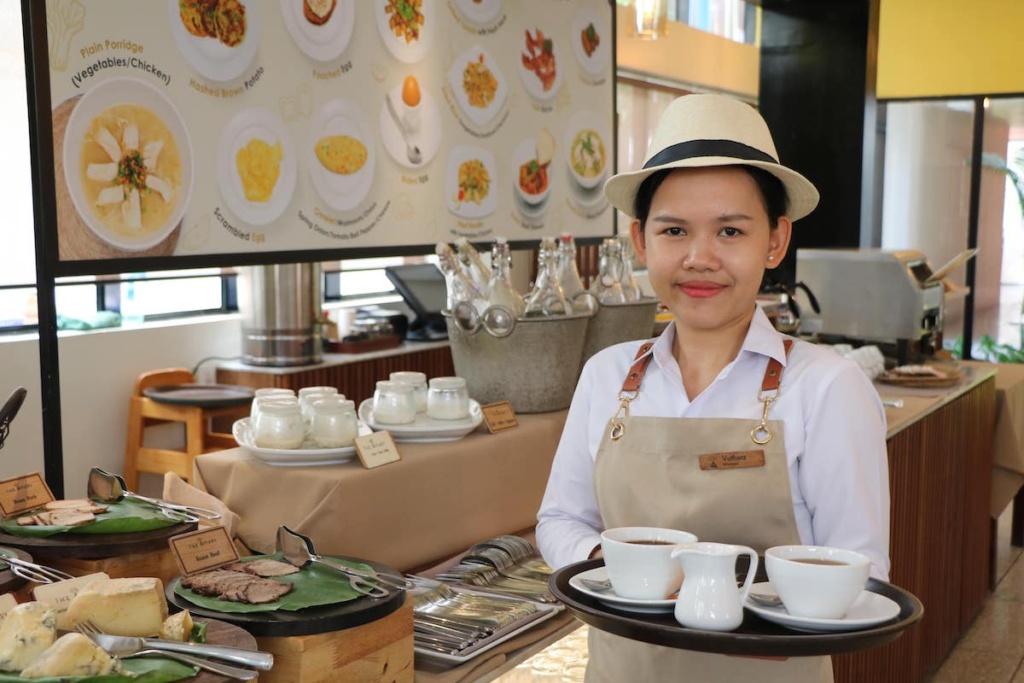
[
  {"x": 276, "y": 398},
  {"x": 409, "y": 377},
  {"x": 279, "y": 407},
  {"x": 333, "y": 403},
  {"x": 305, "y": 391},
  {"x": 448, "y": 383},
  {"x": 394, "y": 387},
  {"x": 274, "y": 391}
]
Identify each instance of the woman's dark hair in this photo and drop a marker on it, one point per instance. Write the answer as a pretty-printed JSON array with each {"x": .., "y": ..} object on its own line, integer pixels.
[{"x": 773, "y": 193}]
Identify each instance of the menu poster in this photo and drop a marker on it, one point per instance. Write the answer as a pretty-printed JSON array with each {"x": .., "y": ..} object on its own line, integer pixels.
[{"x": 186, "y": 128}]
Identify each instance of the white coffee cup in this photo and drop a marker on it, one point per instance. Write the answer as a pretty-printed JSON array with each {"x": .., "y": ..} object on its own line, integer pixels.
[
  {"x": 817, "y": 582},
  {"x": 639, "y": 561}
]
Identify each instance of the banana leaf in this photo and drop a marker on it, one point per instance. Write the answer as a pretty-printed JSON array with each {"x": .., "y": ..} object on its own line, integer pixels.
[
  {"x": 122, "y": 517},
  {"x": 148, "y": 670},
  {"x": 315, "y": 585}
]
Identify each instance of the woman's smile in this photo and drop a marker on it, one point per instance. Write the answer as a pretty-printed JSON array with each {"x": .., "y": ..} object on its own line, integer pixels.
[{"x": 701, "y": 289}]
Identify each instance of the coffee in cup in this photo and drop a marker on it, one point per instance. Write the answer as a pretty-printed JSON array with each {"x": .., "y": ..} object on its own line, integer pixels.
[
  {"x": 639, "y": 561},
  {"x": 817, "y": 582}
]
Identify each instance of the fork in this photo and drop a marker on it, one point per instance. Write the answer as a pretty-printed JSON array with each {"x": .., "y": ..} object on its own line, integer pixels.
[
  {"x": 125, "y": 647},
  {"x": 36, "y": 573}
]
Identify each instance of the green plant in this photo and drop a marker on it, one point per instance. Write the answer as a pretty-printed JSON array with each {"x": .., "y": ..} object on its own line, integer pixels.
[
  {"x": 999, "y": 353},
  {"x": 1004, "y": 353}
]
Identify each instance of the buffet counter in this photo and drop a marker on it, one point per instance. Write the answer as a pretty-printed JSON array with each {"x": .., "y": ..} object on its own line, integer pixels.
[{"x": 443, "y": 497}]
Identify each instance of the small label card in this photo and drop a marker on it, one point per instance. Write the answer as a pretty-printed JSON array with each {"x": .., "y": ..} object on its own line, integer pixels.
[
  {"x": 732, "y": 461},
  {"x": 204, "y": 549},
  {"x": 26, "y": 492},
  {"x": 58, "y": 596},
  {"x": 499, "y": 416},
  {"x": 377, "y": 449}
]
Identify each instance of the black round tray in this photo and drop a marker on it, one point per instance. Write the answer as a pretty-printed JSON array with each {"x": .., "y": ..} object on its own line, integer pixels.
[
  {"x": 307, "y": 621},
  {"x": 755, "y": 636},
  {"x": 96, "y": 546},
  {"x": 201, "y": 395}
]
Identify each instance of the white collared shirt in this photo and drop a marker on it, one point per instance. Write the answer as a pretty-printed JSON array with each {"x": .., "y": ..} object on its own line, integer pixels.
[{"x": 834, "y": 429}]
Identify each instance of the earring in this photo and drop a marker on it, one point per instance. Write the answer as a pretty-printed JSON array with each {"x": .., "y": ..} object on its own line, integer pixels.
[{"x": 771, "y": 258}]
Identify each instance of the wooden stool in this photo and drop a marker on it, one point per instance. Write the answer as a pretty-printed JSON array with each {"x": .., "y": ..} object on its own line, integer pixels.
[{"x": 199, "y": 437}]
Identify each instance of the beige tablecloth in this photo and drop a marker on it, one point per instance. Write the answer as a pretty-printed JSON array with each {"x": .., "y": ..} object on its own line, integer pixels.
[{"x": 438, "y": 500}]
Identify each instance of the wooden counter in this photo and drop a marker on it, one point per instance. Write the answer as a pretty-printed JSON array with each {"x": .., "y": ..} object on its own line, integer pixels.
[{"x": 440, "y": 498}]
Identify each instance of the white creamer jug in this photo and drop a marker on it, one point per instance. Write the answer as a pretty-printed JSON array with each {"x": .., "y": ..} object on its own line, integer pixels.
[{"x": 709, "y": 598}]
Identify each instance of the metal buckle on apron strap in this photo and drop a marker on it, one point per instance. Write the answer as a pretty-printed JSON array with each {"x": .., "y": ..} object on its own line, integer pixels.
[
  {"x": 618, "y": 428},
  {"x": 761, "y": 434}
]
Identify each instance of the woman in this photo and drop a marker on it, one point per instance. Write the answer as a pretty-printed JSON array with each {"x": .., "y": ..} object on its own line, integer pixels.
[{"x": 712, "y": 209}]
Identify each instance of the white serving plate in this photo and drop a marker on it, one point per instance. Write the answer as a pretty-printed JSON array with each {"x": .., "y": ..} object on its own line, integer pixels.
[
  {"x": 209, "y": 56},
  {"x": 309, "y": 455},
  {"x": 425, "y": 429},
  {"x": 610, "y": 599},
  {"x": 247, "y": 124},
  {"x": 325, "y": 42},
  {"x": 869, "y": 609},
  {"x": 477, "y": 115}
]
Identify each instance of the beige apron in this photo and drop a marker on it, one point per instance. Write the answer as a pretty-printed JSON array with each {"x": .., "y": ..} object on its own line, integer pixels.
[{"x": 683, "y": 474}]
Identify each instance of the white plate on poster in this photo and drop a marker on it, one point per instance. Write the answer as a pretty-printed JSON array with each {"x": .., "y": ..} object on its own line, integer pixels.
[
  {"x": 596, "y": 62},
  {"x": 99, "y": 98},
  {"x": 869, "y": 609},
  {"x": 477, "y": 114},
  {"x": 207, "y": 54},
  {"x": 531, "y": 81},
  {"x": 464, "y": 206},
  {"x": 262, "y": 123},
  {"x": 341, "y": 191},
  {"x": 525, "y": 152},
  {"x": 308, "y": 455},
  {"x": 413, "y": 49},
  {"x": 425, "y": 429},
  {"x": 586, "y": 128},
  {"x": 427, "y": 137},
  {"x": 324, "y": 42},
  {"x": 610, "y": 599},
  {"x": 479, "y": 12}
]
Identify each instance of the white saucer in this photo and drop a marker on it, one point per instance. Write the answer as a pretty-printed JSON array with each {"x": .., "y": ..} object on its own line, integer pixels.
[
  {"x": 610, "y": 599},
  {"x": 425, "y": 429},
  {"x": 869, "y": 609}
]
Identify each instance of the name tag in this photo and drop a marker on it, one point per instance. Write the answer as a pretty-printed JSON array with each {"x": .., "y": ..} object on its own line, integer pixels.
[{"x": 731, "y": 461}]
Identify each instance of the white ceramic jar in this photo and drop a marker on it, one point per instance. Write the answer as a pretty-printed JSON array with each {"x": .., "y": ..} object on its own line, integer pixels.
[
  {"x": 334, "y": 423},
  {"x": 279, "y": 424},
  {"x": 394, "y": 403},
  {"x": 448, "y": 398},
  {"x": 307, "y": 395},
  {"x": 418, "y": 380},
  {"x": 266, "y": 393}
]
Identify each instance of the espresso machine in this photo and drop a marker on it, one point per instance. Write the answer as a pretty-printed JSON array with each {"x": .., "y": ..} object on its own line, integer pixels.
[{"x": 878, "y": 296}]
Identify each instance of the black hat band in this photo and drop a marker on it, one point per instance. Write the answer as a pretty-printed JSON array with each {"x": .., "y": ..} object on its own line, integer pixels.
[{"x": 708, "y": 148}]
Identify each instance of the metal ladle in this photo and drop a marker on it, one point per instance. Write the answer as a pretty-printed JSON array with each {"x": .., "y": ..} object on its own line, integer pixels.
[
  {"x": 111, "y": 488},
  {"x": 298, "y": 551}
]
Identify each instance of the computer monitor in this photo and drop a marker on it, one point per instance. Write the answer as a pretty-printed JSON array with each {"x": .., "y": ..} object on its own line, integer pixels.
[{"x": 423, "y": 288}]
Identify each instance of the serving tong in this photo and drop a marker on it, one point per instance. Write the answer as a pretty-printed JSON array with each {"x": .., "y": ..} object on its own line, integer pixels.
[
  {"x": 30, "y": 571},
  {"x": 110, "y": 488},
  {"x": 298, "y": 551}
]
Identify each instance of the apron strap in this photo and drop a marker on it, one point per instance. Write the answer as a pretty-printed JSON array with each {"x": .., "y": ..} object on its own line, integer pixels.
[{"x": 771, "y": 381}]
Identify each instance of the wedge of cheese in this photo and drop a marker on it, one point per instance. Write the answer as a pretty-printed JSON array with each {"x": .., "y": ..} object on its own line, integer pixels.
[
  {"x": 177, "y": 626},
  {"x": 122, "y": 607},
  {"x": 26, "y": 632},
  {"x": 71, "y": 655}
]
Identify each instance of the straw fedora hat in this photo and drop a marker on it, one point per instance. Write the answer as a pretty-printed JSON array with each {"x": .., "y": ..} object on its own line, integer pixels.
[{"x": 712, "y": 130}]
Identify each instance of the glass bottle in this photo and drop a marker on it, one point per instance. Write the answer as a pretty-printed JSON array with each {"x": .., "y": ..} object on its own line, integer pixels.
[
  {"x": 473, "y": 265},
  {"x": 547, "y": 297},
  {"x": 607, "y": 286},
  {"x": 501, "y": 291},
  {"x": 630, "y": 288},
  {"x": 568, "y": 273},
  {"x": 460, "y": 287}
]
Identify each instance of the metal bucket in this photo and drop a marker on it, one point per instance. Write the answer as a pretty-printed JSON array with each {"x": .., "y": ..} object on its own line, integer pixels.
[
  {"x": 616, "y": 323},
  {"x": 280, "y": 307},
  {"x": 535, "y": 368}
]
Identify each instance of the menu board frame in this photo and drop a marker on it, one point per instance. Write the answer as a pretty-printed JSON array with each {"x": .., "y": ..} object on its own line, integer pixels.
[{"x": 49, "y": 70}]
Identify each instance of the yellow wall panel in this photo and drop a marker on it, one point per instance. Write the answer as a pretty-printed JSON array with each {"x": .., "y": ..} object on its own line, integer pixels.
[{"x": 950, "y": 47}]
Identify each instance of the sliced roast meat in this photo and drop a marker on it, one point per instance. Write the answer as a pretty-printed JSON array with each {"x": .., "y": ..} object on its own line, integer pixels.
[
  {"x": 236, "y": 586},
  {"x": 265, "y": 568}
]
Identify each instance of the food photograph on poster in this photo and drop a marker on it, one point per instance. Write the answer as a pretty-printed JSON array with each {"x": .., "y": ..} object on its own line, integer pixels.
[{"x": 250, "y": 127}]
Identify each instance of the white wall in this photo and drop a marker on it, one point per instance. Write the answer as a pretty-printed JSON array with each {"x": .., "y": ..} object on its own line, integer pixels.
[{"x": 97, "y": 375}]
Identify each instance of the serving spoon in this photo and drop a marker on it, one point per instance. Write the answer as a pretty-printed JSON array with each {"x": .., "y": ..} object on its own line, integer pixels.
[{"x": 111, "y": 488}]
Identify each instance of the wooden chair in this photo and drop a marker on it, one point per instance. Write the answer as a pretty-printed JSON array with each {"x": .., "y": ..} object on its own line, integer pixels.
[{"x": 199, "y": 435}]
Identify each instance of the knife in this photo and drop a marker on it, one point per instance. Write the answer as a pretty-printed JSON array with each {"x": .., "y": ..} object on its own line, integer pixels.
[{"x": 127, "y": 645}]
